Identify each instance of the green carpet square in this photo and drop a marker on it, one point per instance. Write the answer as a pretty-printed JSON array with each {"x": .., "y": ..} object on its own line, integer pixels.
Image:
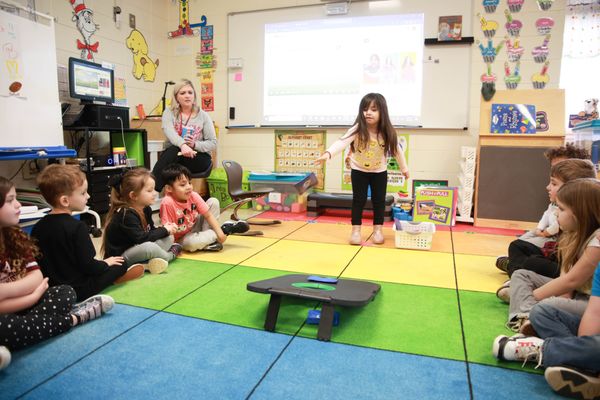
[
  {"x": 227, "y": 300},
  {"x": 158, "y": 291},
  {"x": 406, "y": 318},
  {"x": 484, "y": 317}
]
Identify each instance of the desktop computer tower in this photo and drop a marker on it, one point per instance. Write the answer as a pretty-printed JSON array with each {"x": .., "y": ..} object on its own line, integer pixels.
[{"x": 104, "y": 117}]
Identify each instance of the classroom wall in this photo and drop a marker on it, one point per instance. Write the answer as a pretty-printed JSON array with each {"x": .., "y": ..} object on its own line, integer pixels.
[{"x": 434, "y": 154}]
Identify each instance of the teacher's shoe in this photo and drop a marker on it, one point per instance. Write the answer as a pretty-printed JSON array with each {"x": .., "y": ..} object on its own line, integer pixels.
[{"x": 572, "y": 383}]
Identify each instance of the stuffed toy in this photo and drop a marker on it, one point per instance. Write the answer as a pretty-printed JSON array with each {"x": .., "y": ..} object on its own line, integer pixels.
[{"x": 590, "y": 109}]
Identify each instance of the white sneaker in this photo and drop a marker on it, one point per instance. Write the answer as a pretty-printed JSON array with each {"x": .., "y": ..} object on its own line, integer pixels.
[
  {"x": 571, "y": 383},
  {"x": 92, "y": 308},
  {"x": 518, "y": 348},
  {"x": 157, "y": 266},
  {"x": 4, "y": 357}
]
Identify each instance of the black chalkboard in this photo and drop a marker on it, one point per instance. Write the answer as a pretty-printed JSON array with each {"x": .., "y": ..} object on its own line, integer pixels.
[{"x": 512, "y": 182}]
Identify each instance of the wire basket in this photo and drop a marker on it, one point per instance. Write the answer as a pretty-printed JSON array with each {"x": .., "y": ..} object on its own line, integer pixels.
[{"x": 414, "y": 235}]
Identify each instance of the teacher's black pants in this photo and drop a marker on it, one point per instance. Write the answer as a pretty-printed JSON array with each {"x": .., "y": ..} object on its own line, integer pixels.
[{"x": 200, "y": 163}]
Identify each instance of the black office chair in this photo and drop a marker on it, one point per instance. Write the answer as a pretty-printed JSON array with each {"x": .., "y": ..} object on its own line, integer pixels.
[{"x": 240, "y": 196}]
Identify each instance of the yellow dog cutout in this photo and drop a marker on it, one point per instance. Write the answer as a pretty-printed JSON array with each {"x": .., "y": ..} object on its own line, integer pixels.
[{"x": 143, "y": 66}]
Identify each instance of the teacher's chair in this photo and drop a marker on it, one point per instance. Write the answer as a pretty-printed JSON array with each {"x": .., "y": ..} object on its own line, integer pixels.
[{"x": 234, "y": 173}]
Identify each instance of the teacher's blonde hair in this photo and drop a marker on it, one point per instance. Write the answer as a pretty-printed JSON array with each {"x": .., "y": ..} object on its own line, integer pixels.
[{"x": 175, "y": 107}]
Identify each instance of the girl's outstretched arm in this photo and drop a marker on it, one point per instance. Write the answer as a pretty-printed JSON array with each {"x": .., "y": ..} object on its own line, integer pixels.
[{"x": 581, "y": 272}]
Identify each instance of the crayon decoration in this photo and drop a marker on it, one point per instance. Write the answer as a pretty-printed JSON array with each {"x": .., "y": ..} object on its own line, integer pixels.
[
  {"x": 515, "y": 5},
  {"x": 540, "y": 53},
  {"x": 544, "y": 25},
  {"x": 511, "y": 80},
  {"x": 514, "y": 50},
  {"x": 489, "y": 28},
  {"x": 544, "y": 5},
  {"x": 513, "y": 26},
  {"x": 540, "y": 80},
  {"x": 490, "y": 5},
  {"x": 488, "y": 84},
  {"x": 489, "y": 52}
]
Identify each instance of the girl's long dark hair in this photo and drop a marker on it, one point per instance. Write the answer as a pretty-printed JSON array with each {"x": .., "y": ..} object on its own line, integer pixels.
[
  {"x": 385, "y": 127},
  {"x": 15, "y": 245}
]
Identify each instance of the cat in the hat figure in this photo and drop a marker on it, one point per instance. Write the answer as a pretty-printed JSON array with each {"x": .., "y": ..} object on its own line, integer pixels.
[{"x": 82, "y": 16}]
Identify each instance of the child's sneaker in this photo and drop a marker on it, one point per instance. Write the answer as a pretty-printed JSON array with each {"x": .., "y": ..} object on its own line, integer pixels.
[
  {"x": 157, "y": 266},
  {"x": 176, "y": 249},
  {"x": 231, "y": 227},
  {"x": 216, "y": 246},
  {"x": 134, "y": 272},
  {"x": 571, "y": 383},
  {"x": 4, "y": 357},
  {"x": 518, "y": 348},
  {"x": 502, "y": 263},
  {"x": 92, "y": 308},
  {"x": 503, "y": 292}
]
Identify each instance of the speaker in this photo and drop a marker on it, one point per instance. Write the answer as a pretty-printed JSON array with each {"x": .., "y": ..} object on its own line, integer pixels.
[{"x": 104, "y": 117}]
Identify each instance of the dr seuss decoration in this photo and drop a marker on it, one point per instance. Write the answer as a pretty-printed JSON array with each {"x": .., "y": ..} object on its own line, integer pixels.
[{"x": 83, "y": 18}]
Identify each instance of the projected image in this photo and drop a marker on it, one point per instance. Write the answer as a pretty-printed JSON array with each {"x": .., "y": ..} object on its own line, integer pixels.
[{"x": 317, "y": 71}]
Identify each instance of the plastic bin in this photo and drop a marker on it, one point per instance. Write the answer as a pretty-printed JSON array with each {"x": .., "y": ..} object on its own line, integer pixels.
[
  {"x": 217, "y": 186},
  {"x": 290, "y": 191},
  {"x": 411, "y": 235}
]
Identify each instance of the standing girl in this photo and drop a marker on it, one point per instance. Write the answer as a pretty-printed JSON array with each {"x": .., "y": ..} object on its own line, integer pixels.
[
  {"x": 189, "y": 130},
  {"x": 130, "y": 231},
  {"x": 372, "y": 139},
  {"x": 30, "y": 311},
  {"x": 578, "y": 253}
]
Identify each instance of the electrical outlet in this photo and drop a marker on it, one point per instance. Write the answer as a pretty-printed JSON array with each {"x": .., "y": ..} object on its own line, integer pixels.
[{"x": 132, "y": 21}]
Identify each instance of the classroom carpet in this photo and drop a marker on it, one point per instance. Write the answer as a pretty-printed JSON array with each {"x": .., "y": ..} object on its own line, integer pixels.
[{"x": 197, "y": 332}]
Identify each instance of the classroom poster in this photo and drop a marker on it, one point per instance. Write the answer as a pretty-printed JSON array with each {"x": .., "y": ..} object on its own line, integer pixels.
[
  {"x": 396, "y": 181},
  {"x": 513, "y": 118},
  {"x": 206, "y": 63},
  {"x": 435, "y": 204},
  {"x": 296, "y": 151},
  {"x": 120, "y": 93}
]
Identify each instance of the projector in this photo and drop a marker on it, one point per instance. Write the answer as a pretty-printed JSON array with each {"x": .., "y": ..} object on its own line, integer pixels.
[{"x": 336, "y": 8}]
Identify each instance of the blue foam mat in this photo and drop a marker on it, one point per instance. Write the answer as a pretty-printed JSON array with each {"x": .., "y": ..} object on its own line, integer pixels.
[
  {"x": 310, "y": 369},
  {"x": 36, "y": 364},
  {"x": 171, "y": 357},
  {"x": 498, "y": 383}
]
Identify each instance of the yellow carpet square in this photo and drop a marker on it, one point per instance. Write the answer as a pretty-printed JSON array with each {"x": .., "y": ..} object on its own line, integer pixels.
[
  {"x": 322, "y": 232},
  {"x": 304, "y": 257},
  {"x": 413, "y": 267},
  {"x": 235, "y": 250},
  {"x": 478, "y": 273}
]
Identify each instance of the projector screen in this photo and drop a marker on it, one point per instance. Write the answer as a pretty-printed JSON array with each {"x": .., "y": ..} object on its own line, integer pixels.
[{"x": 316, "y": 71}]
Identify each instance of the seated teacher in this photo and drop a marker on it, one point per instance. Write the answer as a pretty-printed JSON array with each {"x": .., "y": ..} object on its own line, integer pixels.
[{"x": 190, "y": 131}]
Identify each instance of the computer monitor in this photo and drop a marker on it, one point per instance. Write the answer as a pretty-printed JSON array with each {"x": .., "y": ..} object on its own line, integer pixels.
[{"x": 91, "y": 82}]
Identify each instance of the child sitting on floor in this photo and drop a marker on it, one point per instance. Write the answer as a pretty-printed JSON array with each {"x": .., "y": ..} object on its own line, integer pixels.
[
  {"x": 578, "y": 251},
  {"x": 68, "y": 254},
  {"x": 569, "y": 343},
  {"x": 527, "y": 252},
  {"x": 197, "y": 221},
  {"x": 130, "y": 231},
  {"x": 30, "y": 311}
]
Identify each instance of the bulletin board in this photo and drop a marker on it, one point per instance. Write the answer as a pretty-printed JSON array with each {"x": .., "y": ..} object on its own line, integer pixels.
[
  {"x": 296, "y": 151},
  {"x": 30, "y": 116}
]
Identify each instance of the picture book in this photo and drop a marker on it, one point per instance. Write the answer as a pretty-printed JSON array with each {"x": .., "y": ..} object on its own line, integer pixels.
[
  {"x": 435, "y": 204},
  {"x": 450, "y": 28},
  {"x": 513, "y": 118}
]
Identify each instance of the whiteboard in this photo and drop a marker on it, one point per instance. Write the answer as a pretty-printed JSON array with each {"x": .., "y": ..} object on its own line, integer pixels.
[
  {"x": 32, "y": 115},
  {"x": 445, "y": 82}
]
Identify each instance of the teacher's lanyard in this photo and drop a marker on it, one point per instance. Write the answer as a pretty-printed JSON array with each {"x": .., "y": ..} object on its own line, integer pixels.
[{"x": 182, "y": 124}]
